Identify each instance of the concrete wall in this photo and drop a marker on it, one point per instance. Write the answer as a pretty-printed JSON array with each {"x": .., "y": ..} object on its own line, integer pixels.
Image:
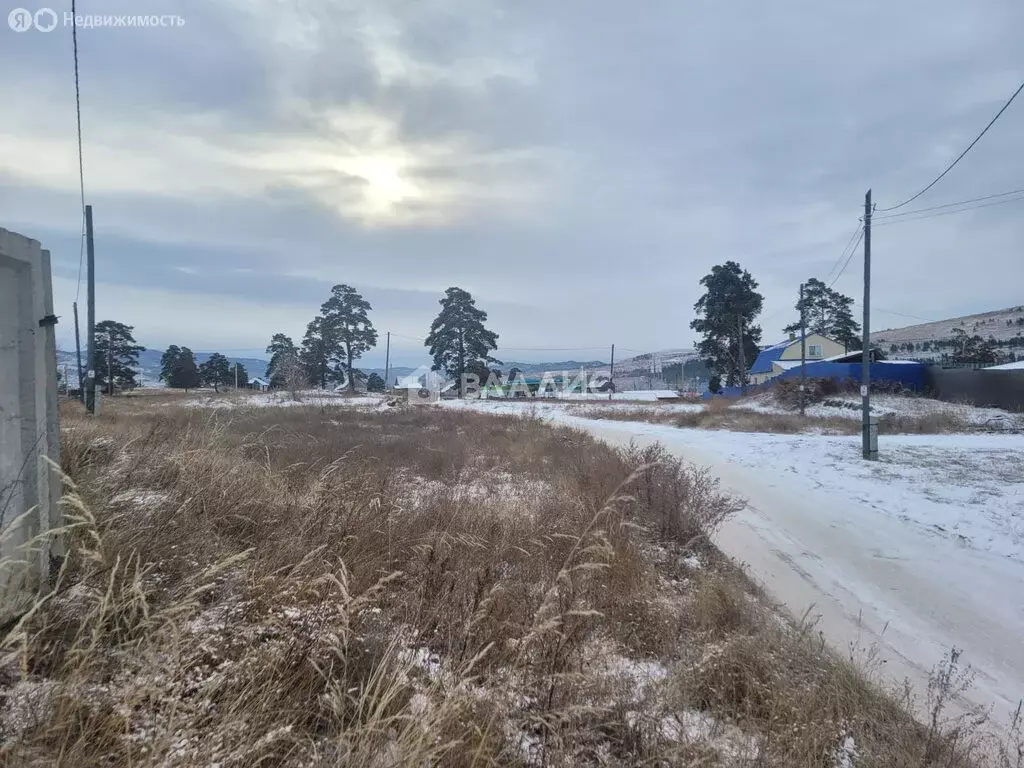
[
  {"x": 28, "y": 420},
  {"x": 1002, "y": 389}
]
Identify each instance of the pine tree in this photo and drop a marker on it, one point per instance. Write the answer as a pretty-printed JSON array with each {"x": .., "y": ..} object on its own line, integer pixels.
[
  {"x": 284, "y": 362},
  {"x": 216, "y": 371},
  {"x": 348, "y": 327},
  {"x": 168, "y": 363},
  {"x": 730, "y": 302},
  {"x": 115, "y": 345},
  {"x": 178, "y": 368},
  {"x": 844, "y": 329},
  {"x": 318, "y": 345},
  {"x": 458, "y": 337},
  {"x": 375, "y": 383},
  {"x": 828, "y": 313}
]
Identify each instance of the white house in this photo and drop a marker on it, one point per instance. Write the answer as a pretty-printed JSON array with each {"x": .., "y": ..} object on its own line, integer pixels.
[{"x": 259, "y": 383}]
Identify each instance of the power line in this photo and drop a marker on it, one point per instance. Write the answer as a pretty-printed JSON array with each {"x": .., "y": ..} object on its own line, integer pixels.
[
  {"x": 81, "y": 167},
  {"x": 860, "y": 236},
  {"x": 949, "y": 205},
  {"x": 958, "y": 210},
  {"x": 899, "y": 314},
  {"x": 960, "y": 157},
  {"x": 842, "y": 255}
]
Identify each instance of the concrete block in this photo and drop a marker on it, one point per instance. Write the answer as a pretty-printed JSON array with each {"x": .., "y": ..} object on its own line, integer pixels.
[{"x": 29, "y": 429}]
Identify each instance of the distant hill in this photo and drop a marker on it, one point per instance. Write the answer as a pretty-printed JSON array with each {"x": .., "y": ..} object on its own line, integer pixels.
[
  {"x": 149, "y": 364},
  {"x": 1005, "y": 326},
  {"x": 564, "y": 365}
]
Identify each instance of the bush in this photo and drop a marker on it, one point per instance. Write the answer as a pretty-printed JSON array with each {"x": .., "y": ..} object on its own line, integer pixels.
[{"x": 787, "y": 391}]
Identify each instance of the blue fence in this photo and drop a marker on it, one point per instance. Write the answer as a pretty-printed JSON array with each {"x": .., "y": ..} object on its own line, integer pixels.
[{"x": 910, "y": 375}]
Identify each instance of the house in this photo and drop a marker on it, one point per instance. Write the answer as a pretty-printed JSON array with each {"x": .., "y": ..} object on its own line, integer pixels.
[
  {"x": 422, "y": 386},
  {"x": 777, "y": 359},
  {"x": 259, "y": 383}
]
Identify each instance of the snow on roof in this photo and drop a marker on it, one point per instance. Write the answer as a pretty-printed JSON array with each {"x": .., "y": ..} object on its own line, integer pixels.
[
  {"x": 648, "y": 394},
  {"x": 1018, "y": 366}
]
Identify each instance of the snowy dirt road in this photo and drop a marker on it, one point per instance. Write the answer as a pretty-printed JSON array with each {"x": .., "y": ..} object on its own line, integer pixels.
[{"x": 912, "y": 555}]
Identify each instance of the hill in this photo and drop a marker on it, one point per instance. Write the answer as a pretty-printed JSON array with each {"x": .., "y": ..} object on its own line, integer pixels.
[{"x": 929, "y": 340}]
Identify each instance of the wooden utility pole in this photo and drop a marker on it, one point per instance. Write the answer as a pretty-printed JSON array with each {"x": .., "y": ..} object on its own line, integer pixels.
[
  {"x": 90, "y": 326},
  {"x": 803, "y": 353},
  {"x": 869, "y": 442},
  {"x": 78, "y": 357},
  {"x": 743, "y": 356},
  {"x": 387, "y": 364},
  {"x": 611, "y": 375}
]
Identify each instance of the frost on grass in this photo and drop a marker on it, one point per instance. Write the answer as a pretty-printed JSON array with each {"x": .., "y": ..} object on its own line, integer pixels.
[{"x": 452, "y": 585}]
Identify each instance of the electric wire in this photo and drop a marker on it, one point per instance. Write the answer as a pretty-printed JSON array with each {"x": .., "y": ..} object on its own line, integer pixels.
[{"x": 960, "y": 157}]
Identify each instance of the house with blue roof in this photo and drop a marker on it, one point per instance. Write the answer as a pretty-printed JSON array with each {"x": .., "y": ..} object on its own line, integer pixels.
[{"x": 777, "y": 359}]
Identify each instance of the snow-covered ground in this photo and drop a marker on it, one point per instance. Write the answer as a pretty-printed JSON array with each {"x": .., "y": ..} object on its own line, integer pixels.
[
  {"x": 916, "y": 553},
  {"x": 281, "y": 399},
  {"x": 848, "y": 406}
]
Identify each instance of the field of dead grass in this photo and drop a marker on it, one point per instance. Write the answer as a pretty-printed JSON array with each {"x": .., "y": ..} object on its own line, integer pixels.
[
  {"x": 736, "y": 417},
  {"x": 333, "y": 587}
]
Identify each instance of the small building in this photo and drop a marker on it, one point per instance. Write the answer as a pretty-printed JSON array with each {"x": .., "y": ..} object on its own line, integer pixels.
[
  {"x": 775, "y": 360},
  {"x": 259, "y": 383}
]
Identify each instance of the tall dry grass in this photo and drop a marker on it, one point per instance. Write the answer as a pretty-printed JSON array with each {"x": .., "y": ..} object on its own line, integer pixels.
[{"x": 316, "y": 586}]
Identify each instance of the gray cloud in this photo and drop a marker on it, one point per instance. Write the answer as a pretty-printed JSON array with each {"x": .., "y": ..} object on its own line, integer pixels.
[{"x": 578, "y": 165}]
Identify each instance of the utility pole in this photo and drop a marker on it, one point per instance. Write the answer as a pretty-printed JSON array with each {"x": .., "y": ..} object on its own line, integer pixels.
[
  {"x": 236, "y": 375},
  {"x": 78, "y": 357},
  {"x": 743, "y": 356},
  {"x": 611, "y": 375},
  {"x": 803, "y": 353},
  {"x": 110, "y": 370},
  {"x": 869, "y": 433},
  {"x": 387, "y": 364},
  {"x": 90, "y": 327}
]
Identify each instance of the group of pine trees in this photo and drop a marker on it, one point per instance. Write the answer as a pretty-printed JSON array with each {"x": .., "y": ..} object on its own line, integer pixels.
[
  {"x": 179, "y": 370},
  {"x": 337, "y": 338},
  {"x": 116, "y": 363},
  {"x": 727, "y": 311}
]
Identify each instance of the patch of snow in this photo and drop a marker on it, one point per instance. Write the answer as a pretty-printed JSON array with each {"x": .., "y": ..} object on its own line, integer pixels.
[
  {"x": 140, "y": 497},
  {"x": 845, "y": 753},
  {"x": 1017, "y": 366},
  {"x": 695, "y": 727}
]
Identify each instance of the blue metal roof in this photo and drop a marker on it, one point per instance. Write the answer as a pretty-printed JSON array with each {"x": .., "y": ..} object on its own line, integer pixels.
[{"x": 764, "y": 361}]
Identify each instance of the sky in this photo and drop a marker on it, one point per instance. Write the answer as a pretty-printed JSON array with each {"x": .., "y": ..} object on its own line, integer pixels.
[{"x": 577, "y": 165}]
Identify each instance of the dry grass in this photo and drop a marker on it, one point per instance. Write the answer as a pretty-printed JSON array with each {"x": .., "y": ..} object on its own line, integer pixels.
[
  {"x": 733, "y": 416},
  {"x": 311, "y": 587}
]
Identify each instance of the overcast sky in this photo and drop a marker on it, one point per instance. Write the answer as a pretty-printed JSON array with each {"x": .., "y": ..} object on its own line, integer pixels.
[{"x": 577, "y": 165}]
